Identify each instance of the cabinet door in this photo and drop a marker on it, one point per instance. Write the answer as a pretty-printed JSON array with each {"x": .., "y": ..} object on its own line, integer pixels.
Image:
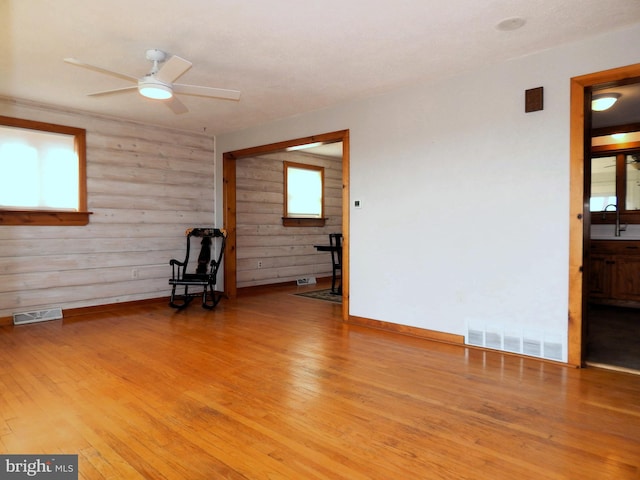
[
  {"x": 600, "y": 276},
  {"x": 626, "y": 279}
]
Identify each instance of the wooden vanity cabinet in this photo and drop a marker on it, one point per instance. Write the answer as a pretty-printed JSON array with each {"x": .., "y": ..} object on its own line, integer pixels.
[{"x": 614, "y": 271}]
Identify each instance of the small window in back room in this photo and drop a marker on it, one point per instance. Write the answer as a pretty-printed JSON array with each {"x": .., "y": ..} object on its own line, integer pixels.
[{"x": 304, "y": 195}]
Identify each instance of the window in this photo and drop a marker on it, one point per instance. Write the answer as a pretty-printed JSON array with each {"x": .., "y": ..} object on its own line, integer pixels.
[
  {"x": 304, "y": 195},
  {"x": 603, "y": 183},
  {"x": 43, "y": 180},
  {"x": 615, "y": 181}
]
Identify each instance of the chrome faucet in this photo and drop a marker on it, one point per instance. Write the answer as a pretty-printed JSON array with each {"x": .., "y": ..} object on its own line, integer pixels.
[{"x": 617, "y": 210}]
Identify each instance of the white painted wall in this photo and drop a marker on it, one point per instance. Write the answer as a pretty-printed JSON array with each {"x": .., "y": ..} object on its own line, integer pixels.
[{"x": 465, "y": 197}]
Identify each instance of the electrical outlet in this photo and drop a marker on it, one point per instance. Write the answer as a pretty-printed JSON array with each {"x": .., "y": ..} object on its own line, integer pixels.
[
  {"x": 259, "y": 263},
  {"x": 134, "y": 273}
]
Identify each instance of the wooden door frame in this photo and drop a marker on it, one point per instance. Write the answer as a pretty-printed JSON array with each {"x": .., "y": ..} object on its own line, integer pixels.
[
  {"x": 579, "y": 205},
  {"x": 229, "y": 205}
]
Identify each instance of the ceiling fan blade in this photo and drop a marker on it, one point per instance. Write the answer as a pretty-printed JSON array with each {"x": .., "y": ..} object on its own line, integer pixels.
[
  {"x": 80, "y": 63},
  {"x": 114, "y": 90},
  {"x": 172, "y": 69},
  {"x": 176, "y": 105},
  {"x": 206, "y": 91}
]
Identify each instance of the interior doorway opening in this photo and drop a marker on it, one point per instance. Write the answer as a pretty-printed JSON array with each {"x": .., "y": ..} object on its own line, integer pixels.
[
  {"x": 580, "y": 218},
  {"x": 229, "y": 203},
  {"x": 612, "y": 249}
]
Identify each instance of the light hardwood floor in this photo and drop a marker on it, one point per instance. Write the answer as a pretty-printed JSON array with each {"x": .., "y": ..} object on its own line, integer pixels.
[{"x": 274, "y": 386}]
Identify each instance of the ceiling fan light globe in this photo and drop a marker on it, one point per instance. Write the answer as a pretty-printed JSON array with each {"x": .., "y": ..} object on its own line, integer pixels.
[{"x": 155, "y": 91}]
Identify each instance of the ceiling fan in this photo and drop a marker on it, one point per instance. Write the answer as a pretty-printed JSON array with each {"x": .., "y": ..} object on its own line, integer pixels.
[{"x": 158, "y": 83}]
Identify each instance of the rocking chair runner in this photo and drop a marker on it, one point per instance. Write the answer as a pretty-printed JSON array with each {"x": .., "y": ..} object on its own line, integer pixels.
[{"x": 213, "y": 239}]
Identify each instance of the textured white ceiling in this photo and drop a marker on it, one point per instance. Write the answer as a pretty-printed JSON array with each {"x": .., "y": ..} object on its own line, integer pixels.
[
  {"x": 285, "y": 56},
  {"x": 625, "y": 111}
]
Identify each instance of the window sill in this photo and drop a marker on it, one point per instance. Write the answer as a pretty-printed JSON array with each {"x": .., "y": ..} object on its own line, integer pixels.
[
  {"x": 44, "y": 218},
  {"x": 303, "y": 222},
  {"x": 630, "y": 217}
]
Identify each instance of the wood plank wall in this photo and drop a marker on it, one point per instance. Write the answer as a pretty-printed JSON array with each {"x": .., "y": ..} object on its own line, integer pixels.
[
  {"x": 286, "y": 253},
  {"x": 145, "y": 186}
]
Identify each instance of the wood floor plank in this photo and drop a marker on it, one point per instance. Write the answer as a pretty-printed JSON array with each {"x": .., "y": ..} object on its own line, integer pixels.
[{"x": 274, "y": 386}]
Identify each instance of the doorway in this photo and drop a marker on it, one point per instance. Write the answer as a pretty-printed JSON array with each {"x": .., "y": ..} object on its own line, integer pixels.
[
  {"x": 580, "y": 225},
  {"x": 229, "y": 204},
  {"x": 612, "y": 183}
]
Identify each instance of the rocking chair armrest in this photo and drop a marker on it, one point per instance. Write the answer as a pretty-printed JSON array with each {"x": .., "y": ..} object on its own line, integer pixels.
[{"x": 177, "y": 268}]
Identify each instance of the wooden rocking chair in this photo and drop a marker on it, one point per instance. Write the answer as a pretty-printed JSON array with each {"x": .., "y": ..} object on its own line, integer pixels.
[{"x": 206, "y": 269}]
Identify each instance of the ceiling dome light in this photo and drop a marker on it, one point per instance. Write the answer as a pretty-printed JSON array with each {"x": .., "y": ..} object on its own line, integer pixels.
[
  {"x": 152, "y": 88},
  {"x": 603, "y": 101}
]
